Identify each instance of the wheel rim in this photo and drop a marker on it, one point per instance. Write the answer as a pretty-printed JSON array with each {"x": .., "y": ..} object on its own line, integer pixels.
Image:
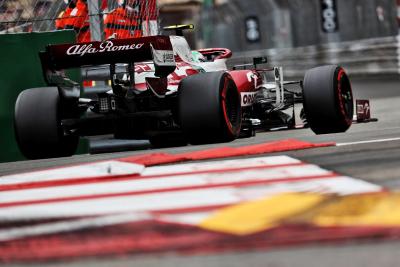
[
  {"x": 345, "y": 96},
  {"x": 230, "y": 109}
]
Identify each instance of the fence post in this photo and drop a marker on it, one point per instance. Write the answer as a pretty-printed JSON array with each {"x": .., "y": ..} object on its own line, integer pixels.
[{"x": 96, "y": 20}]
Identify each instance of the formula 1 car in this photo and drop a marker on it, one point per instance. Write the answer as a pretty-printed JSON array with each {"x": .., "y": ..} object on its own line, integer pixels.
[{"x": 163, "y": 91}]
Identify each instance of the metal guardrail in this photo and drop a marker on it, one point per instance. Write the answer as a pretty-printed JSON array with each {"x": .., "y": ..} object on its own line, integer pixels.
[{"x": 361, "y": 57}]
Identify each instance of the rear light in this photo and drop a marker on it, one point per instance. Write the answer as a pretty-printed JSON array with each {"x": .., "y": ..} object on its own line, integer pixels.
[
  {"x": 104, "y": 107},
  {"x": 107, "y": 103}
]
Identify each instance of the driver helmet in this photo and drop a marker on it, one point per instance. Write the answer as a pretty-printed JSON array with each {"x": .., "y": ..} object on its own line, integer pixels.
[
  {"x": 70, "y": 3},
  {"x": 198, "y": 57},
  {"x": 130, "y": 4}
]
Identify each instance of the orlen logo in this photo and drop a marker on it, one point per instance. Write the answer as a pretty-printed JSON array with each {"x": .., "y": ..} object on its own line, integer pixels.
[
  {"x": 106, "y": 46},
  {"x": 248, "y": 98},
  {"x": 329, "y": 16}
]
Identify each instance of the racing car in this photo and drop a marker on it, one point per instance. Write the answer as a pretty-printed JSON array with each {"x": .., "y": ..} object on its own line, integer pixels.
[{"x": 163, "y": 91}]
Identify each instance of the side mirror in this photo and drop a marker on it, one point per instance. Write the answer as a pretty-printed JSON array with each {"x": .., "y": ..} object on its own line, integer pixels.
[{"x": 259, "y": 60}]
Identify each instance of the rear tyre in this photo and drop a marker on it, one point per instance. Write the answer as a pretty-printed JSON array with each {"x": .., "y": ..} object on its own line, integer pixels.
[
  {"x": 328, "y": 99},
  {"x": 209, "y": 108},
  {"x": 37, "y": 123}
]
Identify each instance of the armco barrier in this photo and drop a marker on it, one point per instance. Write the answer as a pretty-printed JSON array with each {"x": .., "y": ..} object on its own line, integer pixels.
[
  {"x": 20, "y": 69},
  {"x": 362, "y": 57}
]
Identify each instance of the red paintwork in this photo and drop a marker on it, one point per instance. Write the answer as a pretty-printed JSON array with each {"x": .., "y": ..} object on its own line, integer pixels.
[
  {"x": 92, "y": 53},
  {"x": 246, "y": 80},
  {"x": 89, "y": 53}
]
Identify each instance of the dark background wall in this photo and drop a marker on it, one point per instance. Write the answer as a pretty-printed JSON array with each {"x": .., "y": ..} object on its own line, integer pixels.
[{"x": 293, "y": 23}]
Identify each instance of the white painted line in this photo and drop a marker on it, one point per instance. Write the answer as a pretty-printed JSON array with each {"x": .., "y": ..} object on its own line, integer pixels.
[
  {"x": 190, "y": 218},
  {"x": 88, "y": 200},
  {"x": 114, "y": 167},
  {"x": 98, "y": 169},
  {"x": 339, "y": 185},
  {"x": 182, "y": 199},
  {"x": 161, "y": 183},
  {"x": 344, "y": 185},
  {"x": 369, "y": 141},
  {"x": 142, "y": 203}
]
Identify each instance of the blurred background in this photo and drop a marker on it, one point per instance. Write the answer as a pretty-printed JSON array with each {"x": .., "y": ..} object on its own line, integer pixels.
[{"x": 296, "y": 34}]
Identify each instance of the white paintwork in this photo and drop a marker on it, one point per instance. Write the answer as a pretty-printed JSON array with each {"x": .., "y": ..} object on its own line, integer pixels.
[
  {"x": 169, "y": 182},
  {"x": 218, "y": 165},
  {"x": 368, "y": 141},
  {"x": 134, "y": 208},
  {"x": 98, "y": 169}
]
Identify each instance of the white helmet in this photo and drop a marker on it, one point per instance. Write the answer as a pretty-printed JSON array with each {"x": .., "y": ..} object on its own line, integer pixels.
[
  {"x": 69, "y": 2},
  {"x": 198, "y": 57},
  {"x": 129, "y": 3}
]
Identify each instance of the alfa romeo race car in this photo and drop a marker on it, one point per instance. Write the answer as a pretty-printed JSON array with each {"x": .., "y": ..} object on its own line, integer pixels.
[{"x": 163, "y": 91}]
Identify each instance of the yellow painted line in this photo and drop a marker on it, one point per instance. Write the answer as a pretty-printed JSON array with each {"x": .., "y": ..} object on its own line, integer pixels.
[
  {"x": 260, "y": 215},
  {"x": 382, "y": 209}
]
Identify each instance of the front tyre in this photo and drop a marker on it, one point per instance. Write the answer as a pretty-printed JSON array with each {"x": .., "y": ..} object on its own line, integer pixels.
[
  {"x": 209, "y": 108},
  {"x": 328, "y": 99},
  {"x": 37, "y": 123}
]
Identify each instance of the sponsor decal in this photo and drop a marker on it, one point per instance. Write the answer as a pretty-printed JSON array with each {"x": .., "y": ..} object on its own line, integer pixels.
[
  {"x": 252, "y": 77},
  {"x": 181, "y": 48},
  {"x": 140, "y": 68},
  {"x": 329, "y": 18},
  {"x": 248, "y": 98},
  {"x": 106, "y": 46},
  {"x": 363, "y": 110},
  {"x": 252, "y": 25},
  {"x": 163, "y": 57},
  {"x": 168, "y": 57}
]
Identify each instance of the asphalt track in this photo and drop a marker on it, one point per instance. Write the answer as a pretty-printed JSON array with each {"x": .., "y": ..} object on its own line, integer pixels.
[{"x": 367, "y": 151}]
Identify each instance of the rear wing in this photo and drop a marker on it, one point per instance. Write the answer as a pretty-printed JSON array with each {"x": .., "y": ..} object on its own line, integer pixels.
[{"x": 64, "y": 56}]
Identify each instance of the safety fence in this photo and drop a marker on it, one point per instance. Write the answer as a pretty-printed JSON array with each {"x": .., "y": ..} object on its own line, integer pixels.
[
  {"x": 91, "y": 19},
  {"x": 378, "y": 56}
]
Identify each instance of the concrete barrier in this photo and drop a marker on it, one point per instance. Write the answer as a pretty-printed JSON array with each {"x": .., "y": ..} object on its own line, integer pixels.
[{"x": 21, "y": 69}]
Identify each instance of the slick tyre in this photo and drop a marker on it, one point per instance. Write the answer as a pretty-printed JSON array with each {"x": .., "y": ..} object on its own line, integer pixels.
[
  {"x": 328, "y": 99},
  {"x": 209, "y": 108},
  {"x": 37, "y": 123}
]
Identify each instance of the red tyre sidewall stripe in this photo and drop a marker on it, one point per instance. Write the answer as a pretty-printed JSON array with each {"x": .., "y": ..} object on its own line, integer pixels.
[
  {"x": 224, "y": 111},
  {"x": 341, "y": 73}
]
